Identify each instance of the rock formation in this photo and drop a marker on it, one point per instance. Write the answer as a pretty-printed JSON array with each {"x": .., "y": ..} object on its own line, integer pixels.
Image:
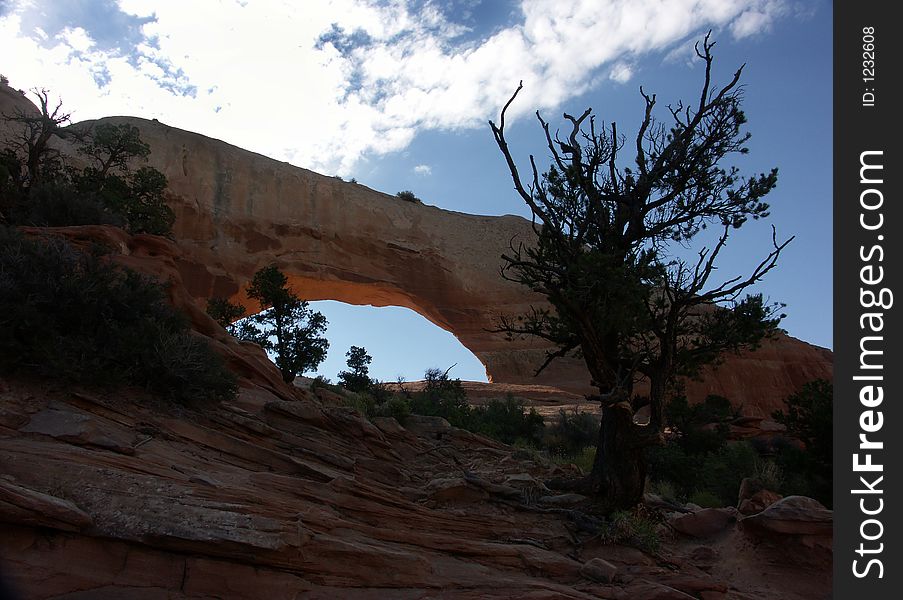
[
  {"x": 238, "y": 211},
  {"x": 277, "y": 495}
]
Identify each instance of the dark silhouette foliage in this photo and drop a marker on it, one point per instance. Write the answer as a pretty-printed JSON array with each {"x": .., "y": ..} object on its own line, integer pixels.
[
  {"x": 602, "y": 255},
  {"x": 571, "y": 432},
  {"x": 74, "y": 316},
  {"x": 286, "y": 326},
  {"x": 809, "y": 416},
  {"x": 357, "y": 377},
  {"x": 224, "y": 312},
  {"x": 407, "y": 195},
  {"x": 37, "y": 188}
]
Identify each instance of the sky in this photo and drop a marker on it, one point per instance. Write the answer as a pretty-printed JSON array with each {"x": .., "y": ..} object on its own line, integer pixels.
[{"x": 397, "y": 94}]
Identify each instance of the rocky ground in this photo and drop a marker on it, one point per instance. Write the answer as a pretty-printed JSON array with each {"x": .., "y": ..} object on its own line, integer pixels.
[{"x": 275, "y": 495}]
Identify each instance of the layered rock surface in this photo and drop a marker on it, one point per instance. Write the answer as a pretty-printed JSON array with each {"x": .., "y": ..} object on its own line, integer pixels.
[
  {"x": 238, "y": 211},
  {"x": 269, "y": 498}
]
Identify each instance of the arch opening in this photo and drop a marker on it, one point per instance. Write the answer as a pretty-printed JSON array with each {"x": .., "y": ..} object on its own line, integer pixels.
[
  {"x": 401, "y": 341},
  {"x": 403, "y": 336}
]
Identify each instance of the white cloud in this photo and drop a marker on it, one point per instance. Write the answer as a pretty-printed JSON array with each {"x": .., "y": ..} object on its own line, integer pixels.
[
  {"x": 423, "y": 170},
  {"x": 758, "y": 18},
  {"x": 264, "y": 77},
  {"x": 621, "y": 73}
]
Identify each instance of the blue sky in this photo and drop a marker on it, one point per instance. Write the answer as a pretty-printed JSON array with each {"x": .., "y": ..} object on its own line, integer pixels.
[{"x": 397, "y": 94}]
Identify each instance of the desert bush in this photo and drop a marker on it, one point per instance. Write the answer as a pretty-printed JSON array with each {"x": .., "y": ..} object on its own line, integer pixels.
[
  {"x": 697, "y": 459},
  {"x": 74, "y": 316},
  {"x": 632, "y": 528},
  {"x": 582, "y": 459},
  {"x": 503, "y": 420},
  {"x": 722, "y": 471},
  {"x": 507, "y": 421},
  {"x": 700, "y": 428},
  {"x": 809, "y": 416},
  {"x": 397, "y": 407},
  {"x": 443, "y": 397},
  {"x": 407, "y": 195},
  {"x": 717, "y": 473},
  {"x": 705, "y": 499},
  {"x": 324, "y": 382},
  {"x": 362, "y": 403},
  {"x": 57, "y": 204},
  {"x": 768, "y": 472},
  {"x": 571, "y": 433},
  {"x": 663, "y": 489}
]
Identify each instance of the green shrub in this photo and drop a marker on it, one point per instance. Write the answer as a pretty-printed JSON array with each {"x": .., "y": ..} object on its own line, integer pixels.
[
  {"x": 634, "y": 529},
  {"x": 571, "y": 433},
  {"x": 700, "y": 428},
  {"x": 503, "y": 420},
  {"x": 810, "y": 417},
  {"x": 443, "y": 397},
  {"x": 583, "y": 459},
  {"x": 705, "y": 499},
  {"x": 54, "y": 204},
  {"x": 397, "y": 407},
  {"x": 721, "y": 472},
  {"x": 69, "y": 315},
  {"x": 717, "y": 473},
  {"x": 407, "y": 195},
  {"x": 362, "y": 403},
  {"x": 506, "y": 421},
  {"x": 324, "y": 382}
]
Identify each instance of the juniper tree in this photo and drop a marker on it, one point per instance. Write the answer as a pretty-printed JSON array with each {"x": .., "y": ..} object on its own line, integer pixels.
[
  {"x": 603, "y": 256},
  {"x": 286, "y": 326},
  {"x": 357, "y": 377},
  {"x": 32, "y": 143}
]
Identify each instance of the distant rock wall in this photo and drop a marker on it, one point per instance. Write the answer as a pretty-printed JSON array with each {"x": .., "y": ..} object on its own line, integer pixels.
[{"x": 238, "y": 211}]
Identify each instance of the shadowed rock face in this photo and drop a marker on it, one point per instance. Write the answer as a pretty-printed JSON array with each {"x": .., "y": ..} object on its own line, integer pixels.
[{"x": 238, "y": 211}]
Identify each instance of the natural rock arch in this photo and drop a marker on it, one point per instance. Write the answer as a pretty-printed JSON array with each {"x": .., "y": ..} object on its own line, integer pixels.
[{"x": 237, "y": 211}]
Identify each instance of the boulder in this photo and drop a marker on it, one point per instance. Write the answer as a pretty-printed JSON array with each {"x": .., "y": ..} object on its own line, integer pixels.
[
  {"x": 758, "y": 502},
  {"x": 792, "y": 516},
  {"x": 704, "y": 522},
  {"x": 753, "y": 497},
  {"x": 429, "y": 427},
  {"x": 599, "y": 569}
]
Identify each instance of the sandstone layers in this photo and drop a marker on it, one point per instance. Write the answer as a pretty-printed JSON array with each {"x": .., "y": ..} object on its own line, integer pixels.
[
  {"x": 109, "y": 496},
  {"x": 238, "y": 211}
]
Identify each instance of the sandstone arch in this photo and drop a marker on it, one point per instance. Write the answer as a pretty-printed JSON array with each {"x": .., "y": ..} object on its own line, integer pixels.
[{"x": 238, "y": 211}]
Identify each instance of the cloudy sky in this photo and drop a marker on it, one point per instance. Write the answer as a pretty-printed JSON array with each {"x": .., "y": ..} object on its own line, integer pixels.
[{"x": 397, "y": 94}]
